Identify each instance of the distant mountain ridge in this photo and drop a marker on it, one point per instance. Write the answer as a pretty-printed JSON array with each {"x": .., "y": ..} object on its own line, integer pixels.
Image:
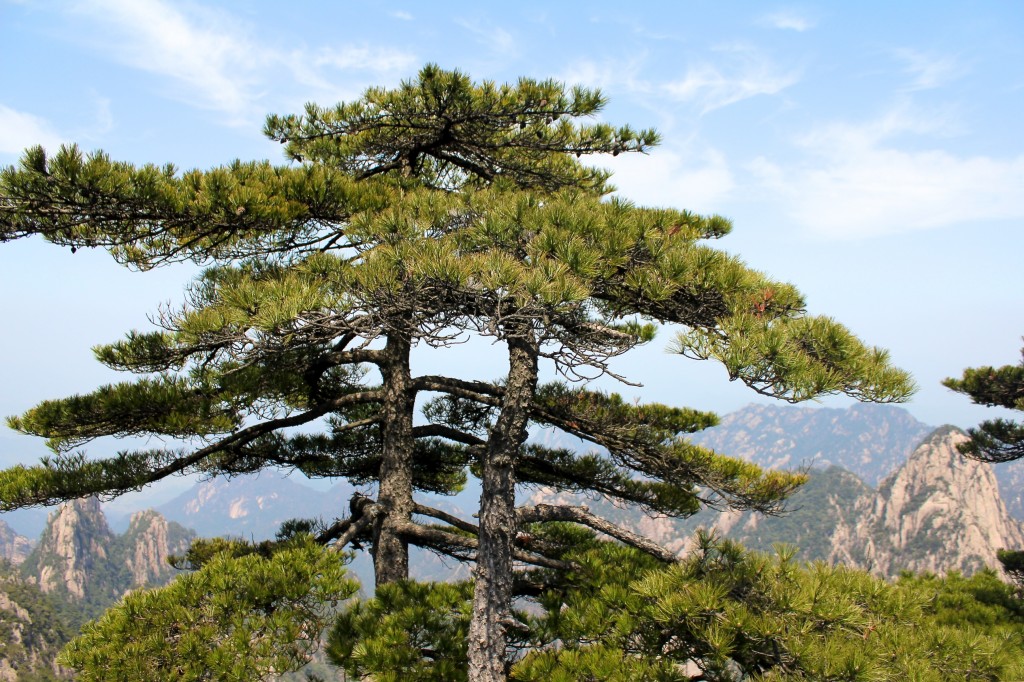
[{"x": 867, "y": 439}]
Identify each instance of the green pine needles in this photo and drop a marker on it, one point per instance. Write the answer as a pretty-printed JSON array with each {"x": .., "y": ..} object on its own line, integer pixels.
[{"x": 418, "y": 217}]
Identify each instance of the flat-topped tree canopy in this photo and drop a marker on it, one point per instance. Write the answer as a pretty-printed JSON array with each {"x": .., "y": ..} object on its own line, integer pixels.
[
  {"x": 994, "y": 440},
  {"x": 417, "y": 216},
  {"x": 450, "y": 133},
  {"x": 439, "y": 130}
]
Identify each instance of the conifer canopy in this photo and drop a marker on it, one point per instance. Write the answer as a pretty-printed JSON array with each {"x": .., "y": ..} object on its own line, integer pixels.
[{"x": 418, "y": 217}]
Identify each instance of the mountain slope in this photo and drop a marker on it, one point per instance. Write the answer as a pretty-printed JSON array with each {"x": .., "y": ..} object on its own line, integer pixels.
[
  {"x": 79, "y": 560},
  {"x": 869, "y": 440},
  {"x": 13, "y": 547},
  {"x": 31, "y": 631},
  {"x": 938, "y": 512}
]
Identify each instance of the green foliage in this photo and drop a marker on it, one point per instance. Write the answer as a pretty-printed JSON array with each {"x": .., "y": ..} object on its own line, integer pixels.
[
  {"x": 734, "y": 614},
  {"x": 724, "y": 613},
  {"x": 236, "y": 618},
  {"x": 420, "y": 214},
  {"x": 33, "y": 627},
  {"x": 996, "y": 440},
  {"x": 408, "y": 632},
  {"x": 449, "y": 132}
]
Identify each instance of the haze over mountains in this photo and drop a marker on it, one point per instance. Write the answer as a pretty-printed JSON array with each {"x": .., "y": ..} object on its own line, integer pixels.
[
  {"x": 885, "y": 492},
  {"x": 838, "y": 515}
]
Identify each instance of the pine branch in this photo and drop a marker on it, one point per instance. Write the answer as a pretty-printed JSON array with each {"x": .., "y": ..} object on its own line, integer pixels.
[{"x": 582, "y": 515}]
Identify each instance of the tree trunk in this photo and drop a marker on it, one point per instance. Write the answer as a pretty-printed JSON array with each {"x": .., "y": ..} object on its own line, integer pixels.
[
  {"x": 492, "y": 595},
  {"x": 390, "y": 551}
]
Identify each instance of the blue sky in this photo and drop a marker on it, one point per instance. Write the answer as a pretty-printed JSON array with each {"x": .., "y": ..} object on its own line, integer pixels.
[{"x": 871, "y": 153}]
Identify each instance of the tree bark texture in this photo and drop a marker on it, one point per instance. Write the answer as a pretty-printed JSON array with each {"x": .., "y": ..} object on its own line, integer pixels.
[
  {"x": 492, "y": 594},
  {"x": 390, "y": 550}
]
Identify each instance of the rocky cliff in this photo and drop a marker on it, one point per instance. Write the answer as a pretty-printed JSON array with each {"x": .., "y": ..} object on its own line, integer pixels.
[
  {"x": 74, "y": 547},
  {"x": 13, "y": 547},
  {"x": 937, "y": 512},
  {"x": 79, "y": 559}
]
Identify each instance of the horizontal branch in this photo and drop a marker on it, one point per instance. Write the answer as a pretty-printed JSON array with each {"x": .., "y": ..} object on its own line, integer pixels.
[
  {"x": 438, "y": 539},
  {"x": 582, "y": 515}
]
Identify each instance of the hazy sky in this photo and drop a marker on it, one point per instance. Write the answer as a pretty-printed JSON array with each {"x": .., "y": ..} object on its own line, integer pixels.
[{"x": 872, "y": 153}]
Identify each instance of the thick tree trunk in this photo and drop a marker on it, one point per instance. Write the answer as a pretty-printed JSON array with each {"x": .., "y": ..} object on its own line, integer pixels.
[
  {"x": 492, "y": 595},
  {"x": 390, "y": 551}
]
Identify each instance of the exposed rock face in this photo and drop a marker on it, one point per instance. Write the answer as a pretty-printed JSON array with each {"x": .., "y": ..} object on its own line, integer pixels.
[
  {"x": 937, "y": 512},
  {"x": 147, "y": 543},
  {"x": 13, "y": 547},
  {"x": 75, "y": 544},
  {"x": 940, "y": 511},
  {"x": 79, "y": 559}
]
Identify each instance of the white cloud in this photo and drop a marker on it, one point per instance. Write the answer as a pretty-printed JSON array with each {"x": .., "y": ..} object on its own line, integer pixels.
[
  {"x": 399, "y": 14},
  {"x": 789, "y": 21},
  {"x": 215, "y": 63},
  {"x": 856, "y": 182},
  {"x": 697, "y": 180},
  {"x": 744, "y": 73},
  {"x": 494, "y": 38},
  {"x": 19, "y": 130},
  {"x": 929, "y": 71},
  {"x": 618, "y": 74},
  {"x": 214, "y": 60}
]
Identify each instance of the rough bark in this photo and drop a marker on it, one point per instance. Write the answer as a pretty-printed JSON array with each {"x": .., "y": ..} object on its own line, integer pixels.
[
  {"x": 390, "y": 549},
  {"x": 498, "y": 523}
]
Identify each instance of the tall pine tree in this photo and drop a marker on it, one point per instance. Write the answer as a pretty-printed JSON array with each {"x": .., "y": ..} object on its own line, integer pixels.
[{"x": 416, "y": 216}]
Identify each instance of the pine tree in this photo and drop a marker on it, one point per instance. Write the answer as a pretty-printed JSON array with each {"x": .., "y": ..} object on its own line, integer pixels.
[
  {"x": 416, "y": 216},
  {"x": 723, "y": 614},
  {"x": 996, "y": 440}
]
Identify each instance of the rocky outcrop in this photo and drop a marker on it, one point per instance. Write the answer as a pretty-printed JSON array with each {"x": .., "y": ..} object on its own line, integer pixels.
[
  {"x": 147, "y": 543},
  {"x": 13, "y": 547},
  {"x": 74, "y": 547},
  {"x": 939, "y": 512},
  {"x": 79, "y": 560}
]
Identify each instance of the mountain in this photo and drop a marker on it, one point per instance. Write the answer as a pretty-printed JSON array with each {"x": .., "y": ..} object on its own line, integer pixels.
[
  {"x": 253, "y": 506},
  {"x": 937, "y": 512},
  {"x": 78, "y": 558},
  {"x": 13, "y": 547},
  {"x": 32, "y": 631},
  {"x": 869, "y": 440}
]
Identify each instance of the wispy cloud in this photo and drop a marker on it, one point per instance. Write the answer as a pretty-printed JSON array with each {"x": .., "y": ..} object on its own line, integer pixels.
[
  {"x": 928, "y": 71},
  {"x": 855, "y": 181},
  {"x": 696, "y": 178},
  {"x": 623, "y": 74},
  {"x": 399, "y": 14},
  {"x": 743, "y": 73},
  {"x": 492, "y": 37},
  {"x": 212, "y": 59},
  {"x": 19, "y": 130},
  {"x": 788, "y": 20}
]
